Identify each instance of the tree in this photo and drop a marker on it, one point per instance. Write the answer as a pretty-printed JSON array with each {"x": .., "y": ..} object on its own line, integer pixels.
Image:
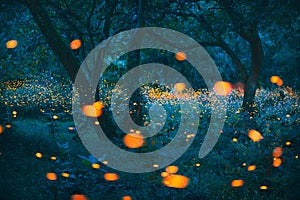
[{"x": 212, "y": 23}]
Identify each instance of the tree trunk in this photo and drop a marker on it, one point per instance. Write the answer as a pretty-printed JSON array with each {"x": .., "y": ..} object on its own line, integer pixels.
[
  {"x": 257, "y": 56},
  {"x": 55, "y": 41}
]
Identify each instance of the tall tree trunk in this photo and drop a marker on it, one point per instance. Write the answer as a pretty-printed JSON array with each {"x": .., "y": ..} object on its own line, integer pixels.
[
  {"x": 55, "y": 41},
  {"x": 257, "y": 56}
]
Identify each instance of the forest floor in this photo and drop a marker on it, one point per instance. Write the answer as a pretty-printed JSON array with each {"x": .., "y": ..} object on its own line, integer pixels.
[{"x": 23, "y": 175}]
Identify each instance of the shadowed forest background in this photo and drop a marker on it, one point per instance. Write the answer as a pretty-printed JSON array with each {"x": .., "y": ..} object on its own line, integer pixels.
[{"x": 255, "y": 46}]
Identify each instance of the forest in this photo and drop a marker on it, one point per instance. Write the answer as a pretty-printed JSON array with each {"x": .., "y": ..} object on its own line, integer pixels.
[{"x": 162, "y": 99}]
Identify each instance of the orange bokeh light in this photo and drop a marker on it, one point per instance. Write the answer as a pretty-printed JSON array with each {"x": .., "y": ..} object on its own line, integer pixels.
[
  {"x": 172, "y": 169},
  {"x": 179, "y": 87},
  {"x": 274, "y": 79},
  {"x": 254, "y": 135},
  {"x": 94, "y": 110},
  {"x": 111, "y": 176},
  {"x": 11, "y": 44},
  {"x": 279, "y": 82},
  {"x": 95, "y": 166},
  {"x": 65, "y": 174},
  {"x": 164, "y": 174},
  {"x": 78, "y": 197},
  {"x": 126, "y": 198},
  {"x": 39, "y": 155},
  {"x": 75, "y": 44},
  {"x": 133, "y": 140},
  {"x": 222, "y": 88},
  {"x": 263, "y": 187},
  {"x": 176, "y": 181},
  {"x": 51, "y": 176},
  {"x": 276, "y": 162},
  {"x": 277, "y": 152},
  {"x": 237, "y": 183},
  {"x": 180, "y": 56},
  {"x": 251, "y": 167}
]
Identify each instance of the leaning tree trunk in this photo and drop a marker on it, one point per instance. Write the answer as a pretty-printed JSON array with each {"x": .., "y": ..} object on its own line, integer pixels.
[{"x": 52, "y": 37}]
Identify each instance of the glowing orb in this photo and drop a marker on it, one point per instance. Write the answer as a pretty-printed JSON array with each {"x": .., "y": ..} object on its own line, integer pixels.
[
  {"x": 274, "y": 79},
  {"x": 237, "y": 183},
  {"x": 277, "y": 152},
  {"x": 133, "y": 140},
  {"x": 172, "y": 169},
  {"x": 222, "y": 88},
  {"x": 11, "y": 44},
  {"x": 39, "y": 155},
  {"x": 78, "y": 197},
  {"x": 254, "y": 135},
  {"x": 75, "y": 44},
  {"x": 251, "y": 168},
  {"x": 51, "y": 176},
  {"x": 180, "y": 56},
  {"x": 176, "y": 181},
  {"x": 276, "y": 162},
  {"x": 111, "y": 176}
]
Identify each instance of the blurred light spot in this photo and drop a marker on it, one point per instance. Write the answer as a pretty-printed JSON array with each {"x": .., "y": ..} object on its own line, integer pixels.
[
  {"x": 126, "y": 198},
  {"x": 222, "y": 88},
  {"x": 237, "y": 183},
  {"x": 51, "y": 176},
  {"x": 180, "y": 56},
  {"x": 94, "y": 110},
  {"x": 53, "y": 157},
  {"x": 164, "y": 174},
  {"x": 11, "y": 44},
  {"x": 98, "y": 105},
  {"x": 296, "y": 156},
  {"x": 133, "y": 140},
  {"x": 1, "y": 129},
  {"x": 254, "y": 135},
  {"x": 172, "y": 169},
  {"x": 111, "y": 176},
  {"x": 234, "y": 139},
  {"x": 276, "y": 162},
  {"x": 65, "y": 174},
  {"x": 251, "y": 167},
  {"x": 55, "y": 117},
  {"x": 75, "y": 44},
  {"x": 78, "y": 197},
  {"x": 288, "y": 143},
  {"x": 279, "y": 82},
  {"x": 97, "y": 122},
  {"x": 179, "y": 87},
  {"x": 39, "y": 155},
  {"x": 287, "y": 115},
  {"x": 277, "y": 152},
  {"x": 70, "y": 128},
  {"x": 95, "y": 166},
  {"x": 176, "y": 181},
  {"x": 263, "y": 187},
  {"x": 14, "y": 112},
  {"x": 155, "y": 165},
  {"x": 8, "y": 126},
  {"x": 197, "y": 164},
  {"x": 244, "y": 164},
  {"x": 274, "y": 79},
  {"x": 105, "y": 162}
]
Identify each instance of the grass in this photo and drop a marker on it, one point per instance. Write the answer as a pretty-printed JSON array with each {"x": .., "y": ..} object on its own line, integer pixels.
[{"x": 23, "y": 175}]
